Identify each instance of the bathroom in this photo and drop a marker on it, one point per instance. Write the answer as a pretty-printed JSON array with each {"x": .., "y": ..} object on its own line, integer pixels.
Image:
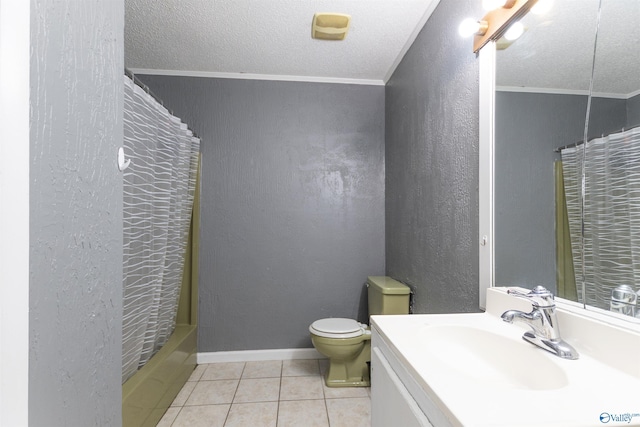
[{"x": 410, "y": 213}]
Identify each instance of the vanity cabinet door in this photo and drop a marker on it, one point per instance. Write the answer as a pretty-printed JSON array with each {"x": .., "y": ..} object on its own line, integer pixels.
[{"x": 391, "y": 402}]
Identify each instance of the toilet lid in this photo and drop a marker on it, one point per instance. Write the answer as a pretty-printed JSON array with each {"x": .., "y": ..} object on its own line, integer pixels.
[{"x": 336, "y": 327}]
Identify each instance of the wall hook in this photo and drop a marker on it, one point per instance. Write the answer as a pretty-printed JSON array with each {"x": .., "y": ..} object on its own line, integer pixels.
[{"x": 122, "y": 163}]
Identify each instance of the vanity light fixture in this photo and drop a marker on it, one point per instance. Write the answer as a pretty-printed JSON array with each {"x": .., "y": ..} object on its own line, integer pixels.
[
  {"x": 496, "y": 22},
  {"x": 470, "y": 26},
  {"x": 514, "y": 32}
]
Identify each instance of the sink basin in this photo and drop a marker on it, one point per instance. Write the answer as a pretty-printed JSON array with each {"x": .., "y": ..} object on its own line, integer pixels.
[{"x": 478, "y": 356}]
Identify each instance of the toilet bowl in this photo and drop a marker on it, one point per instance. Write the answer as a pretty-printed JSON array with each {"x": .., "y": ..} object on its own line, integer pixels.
[{"x": 347, "y": 343}]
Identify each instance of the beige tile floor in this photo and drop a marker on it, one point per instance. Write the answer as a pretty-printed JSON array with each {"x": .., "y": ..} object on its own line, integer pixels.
[{"x": 270, "y": 393}]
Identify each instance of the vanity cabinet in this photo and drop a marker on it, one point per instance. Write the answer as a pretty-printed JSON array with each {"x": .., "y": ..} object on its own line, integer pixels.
[
  {"x": 396, "y": 398},
  {"x": 391, "y": 402}
]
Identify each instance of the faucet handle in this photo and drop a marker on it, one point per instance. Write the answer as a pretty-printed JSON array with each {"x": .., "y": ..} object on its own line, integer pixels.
[{"x": 538, "y": 296}]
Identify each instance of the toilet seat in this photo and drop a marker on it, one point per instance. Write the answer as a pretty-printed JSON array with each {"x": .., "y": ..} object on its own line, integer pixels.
[{"x": 337, "y": 327}]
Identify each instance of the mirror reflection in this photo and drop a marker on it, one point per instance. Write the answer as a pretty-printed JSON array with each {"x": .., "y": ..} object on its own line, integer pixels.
[{"x": 543, "y": 81}]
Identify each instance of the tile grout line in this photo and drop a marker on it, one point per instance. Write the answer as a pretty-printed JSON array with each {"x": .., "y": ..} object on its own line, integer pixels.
[
  {"x": 324, "y": 394},
  {"x": 244, "y": 365},
  {"x": 279, "y": 394},
  {"x": 326, "y": 408}
]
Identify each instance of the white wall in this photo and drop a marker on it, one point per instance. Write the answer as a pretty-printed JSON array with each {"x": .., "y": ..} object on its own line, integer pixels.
[{"x": 14, "y": 212}]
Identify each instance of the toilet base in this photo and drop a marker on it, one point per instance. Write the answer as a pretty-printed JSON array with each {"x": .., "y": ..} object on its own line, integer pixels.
[
  {"x": 350, "y": 373},
  {"x": 341, "y": 383},
  {"x": 348, "y": 359}
]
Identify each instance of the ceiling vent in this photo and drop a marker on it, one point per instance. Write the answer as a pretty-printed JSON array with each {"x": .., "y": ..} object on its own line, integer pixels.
[{"x": 330, "y": 26}]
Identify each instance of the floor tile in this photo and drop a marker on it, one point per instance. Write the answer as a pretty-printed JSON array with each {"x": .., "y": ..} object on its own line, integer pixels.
[
  {"x": 298, "y": 368},
  {"x": 197, "y": 373},
  {"x": 307, "y": 413},
  {"x": 260, "y": 414},
  {"x": 212, "y": 392},
  {"x": 263, "y": 369},
  {"x": 344, "y": 392},
  {"x": 184, "y": 394},
  {"x": 354, "y": 412},
  {"x": 258, "y": 390},
  {"x": 168, "y": 417},
  {"x": 301, "y": 388},
  {"x": 202, "y": 416},
  {"x": 267, "y": 393},
  {"x": 223, "y": 371},
  {"x": 324, "y": 366}
]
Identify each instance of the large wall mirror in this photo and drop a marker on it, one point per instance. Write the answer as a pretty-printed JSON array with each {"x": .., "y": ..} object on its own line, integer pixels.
[{"x": 542, "y": 101}]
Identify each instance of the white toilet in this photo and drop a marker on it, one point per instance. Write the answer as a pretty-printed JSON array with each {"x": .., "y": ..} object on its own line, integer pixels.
[{"x": 347, "y": 343}]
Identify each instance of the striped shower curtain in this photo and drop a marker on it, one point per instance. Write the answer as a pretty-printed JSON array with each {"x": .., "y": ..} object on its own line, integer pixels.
[
  {"x": 159, "y": 189},
  {"x": 611, "y": 254}
]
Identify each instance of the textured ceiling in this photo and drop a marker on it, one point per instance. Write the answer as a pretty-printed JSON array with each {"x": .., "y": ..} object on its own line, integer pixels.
[
  {"x": 270, "y": 39},
  {"x": 556, "y": 51}
]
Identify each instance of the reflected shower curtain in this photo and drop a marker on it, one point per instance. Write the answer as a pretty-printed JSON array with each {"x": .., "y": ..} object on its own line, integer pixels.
[
  {"x": 565, "y": 275},
  {"x": 158, "y": 188},
  {"x": 611, "y": 214}
]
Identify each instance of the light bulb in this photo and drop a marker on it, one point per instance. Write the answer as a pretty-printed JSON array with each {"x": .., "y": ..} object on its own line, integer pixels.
[
  {"x": 514, "y": 32},
  {"x": 468, "y": 27},
  {"x": 542, "y": 7}
]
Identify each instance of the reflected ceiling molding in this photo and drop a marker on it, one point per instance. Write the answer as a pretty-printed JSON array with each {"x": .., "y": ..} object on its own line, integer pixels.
[{"x": 564, "y": 91}]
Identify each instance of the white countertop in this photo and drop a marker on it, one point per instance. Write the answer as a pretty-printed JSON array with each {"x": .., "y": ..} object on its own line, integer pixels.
[{"x": 522, "y": 386}]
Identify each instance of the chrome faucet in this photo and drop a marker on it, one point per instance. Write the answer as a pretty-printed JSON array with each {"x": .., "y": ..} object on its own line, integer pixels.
[{"x": 543, "y": 321}]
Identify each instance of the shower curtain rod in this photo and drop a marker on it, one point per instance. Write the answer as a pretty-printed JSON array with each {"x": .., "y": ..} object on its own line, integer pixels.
[
  {"x": 576, "y": 144},
  {"x": 144, "y": 87}
]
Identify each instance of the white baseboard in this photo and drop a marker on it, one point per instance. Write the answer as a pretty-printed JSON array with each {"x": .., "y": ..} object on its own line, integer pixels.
[{"x": 259, "y": 355}]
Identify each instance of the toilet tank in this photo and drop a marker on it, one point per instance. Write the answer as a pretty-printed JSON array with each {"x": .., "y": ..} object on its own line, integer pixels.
[{"x": 387, "y": 296}]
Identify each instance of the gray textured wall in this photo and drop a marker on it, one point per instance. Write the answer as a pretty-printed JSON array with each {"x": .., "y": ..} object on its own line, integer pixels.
[
  {"x": 529, "y": 127},
  {"x": 431, "y": 119},
  {"x": 633, "y": 112},
  {"x": 75, "y": 318},
  {"x": 292, "y": 204},
  {"x": 608, "y": 115}
]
